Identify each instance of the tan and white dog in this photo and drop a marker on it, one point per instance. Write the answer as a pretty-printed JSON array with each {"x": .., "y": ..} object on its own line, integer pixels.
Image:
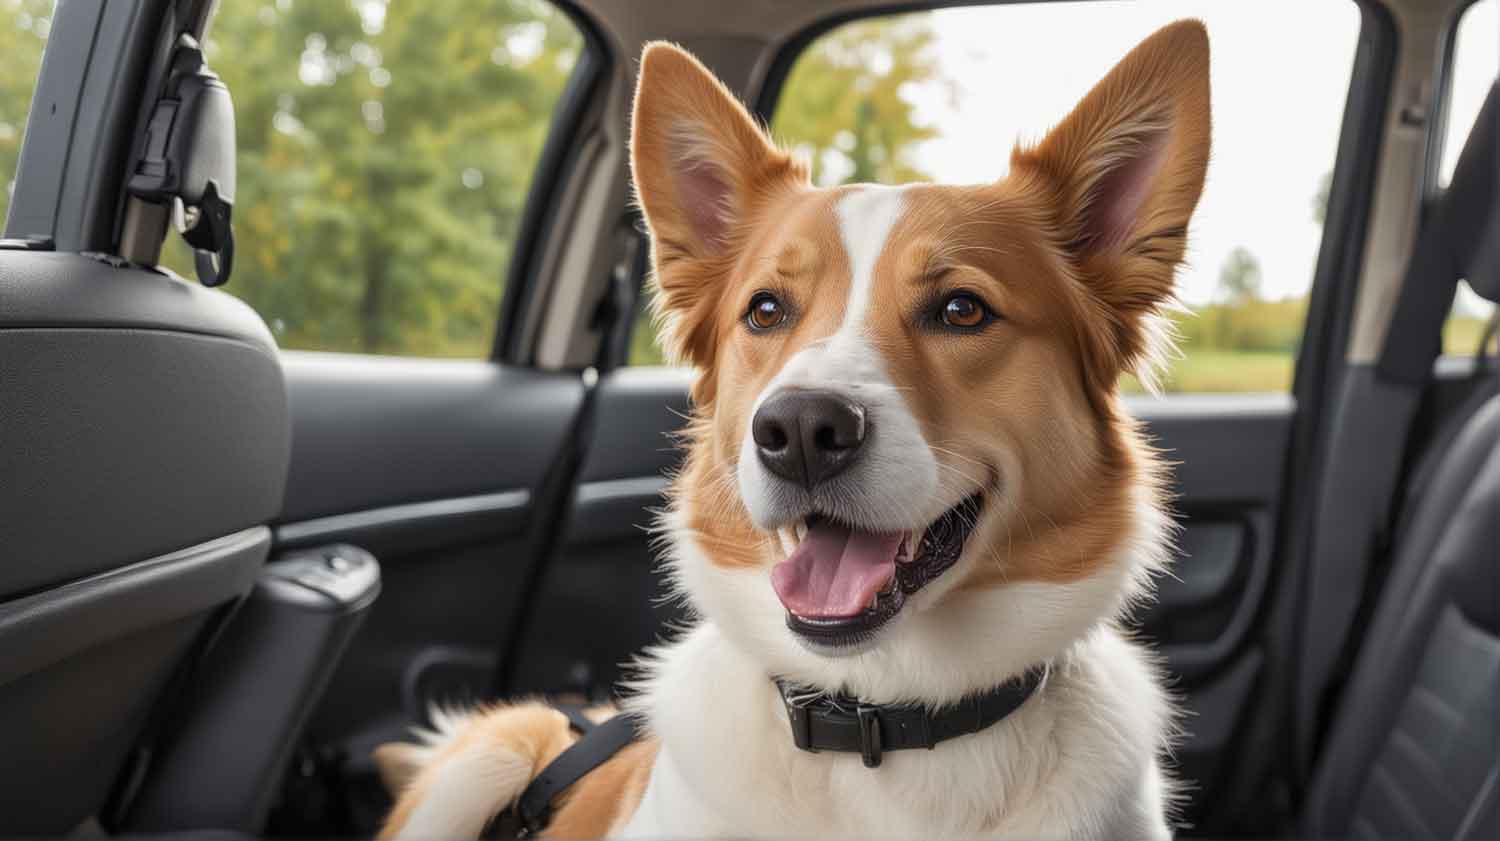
[{"x": 909, "y": 478}]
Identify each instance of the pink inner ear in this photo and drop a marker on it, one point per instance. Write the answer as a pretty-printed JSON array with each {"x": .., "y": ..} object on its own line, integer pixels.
[
  {"x": 1114, "y": 213},
  {"x": 704, "y": 194}
]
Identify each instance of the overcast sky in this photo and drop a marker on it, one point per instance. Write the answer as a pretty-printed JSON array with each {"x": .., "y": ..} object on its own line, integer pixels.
[{"x": 1278, "y": 93}]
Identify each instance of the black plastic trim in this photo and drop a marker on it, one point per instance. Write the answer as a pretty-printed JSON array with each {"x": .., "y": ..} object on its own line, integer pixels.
[
  {"x": 505, "y": 507},
  {"x": 109, "y": 105},
  {"x": 1266, "y": 741},
  {"x": 546, "y": 185},
  {"x": 46, "y": 627},
  {"x": 1442, "y": 102},
  {"x": 43, "y": 161}
]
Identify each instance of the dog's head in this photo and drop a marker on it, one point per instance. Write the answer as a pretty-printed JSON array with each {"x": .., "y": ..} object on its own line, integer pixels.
[{"x": 908, "y": 472}]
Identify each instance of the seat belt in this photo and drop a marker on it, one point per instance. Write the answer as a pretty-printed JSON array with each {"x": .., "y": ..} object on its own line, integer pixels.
[
  {"x": 1376, "y": 410},
  {"x": 552, "y": 498}
]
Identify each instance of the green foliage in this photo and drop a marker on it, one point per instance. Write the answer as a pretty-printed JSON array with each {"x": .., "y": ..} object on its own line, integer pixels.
[
  {"x": 23, "y": 33},
  {"x": 1461, "y": 335},
  {"x": 1250, "y": 325},
  {"x": 385, "y": 151},
  {"x": 1240, "y": 278},
  {"x": 845, "y": 104}
]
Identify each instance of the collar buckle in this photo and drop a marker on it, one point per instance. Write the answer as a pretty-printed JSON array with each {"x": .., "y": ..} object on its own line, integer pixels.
[
  {"x": 799, "y": 717},
  {"x": 870, "y": 747}
]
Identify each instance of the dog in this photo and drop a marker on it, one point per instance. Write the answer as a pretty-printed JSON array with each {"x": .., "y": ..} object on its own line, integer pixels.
[{"x": 909, "y": 483}]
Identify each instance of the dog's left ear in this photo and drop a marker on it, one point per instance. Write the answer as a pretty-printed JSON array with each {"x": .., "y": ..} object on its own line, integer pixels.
[
  {"x": 702, "y": 169},
  {"x": 1125, "y": 170}
]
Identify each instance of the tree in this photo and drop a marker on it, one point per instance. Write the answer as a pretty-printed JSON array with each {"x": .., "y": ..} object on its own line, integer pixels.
[
  {"x": 385, "y": 151},
  {"x": 1320, "y": 199},
  {"x": 1240, "y": 278},
  {"x": 847, "y": 105},
  {"x": 23, "y": 33}
]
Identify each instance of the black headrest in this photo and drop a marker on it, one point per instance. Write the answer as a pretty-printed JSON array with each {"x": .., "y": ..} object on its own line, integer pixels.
[{"x": 1469, "y": 215}]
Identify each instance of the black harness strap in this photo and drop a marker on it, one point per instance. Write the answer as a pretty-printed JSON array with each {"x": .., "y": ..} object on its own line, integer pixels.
[
  {"x": 577, "y": 720},
  {"x": 596, "y": 745}
]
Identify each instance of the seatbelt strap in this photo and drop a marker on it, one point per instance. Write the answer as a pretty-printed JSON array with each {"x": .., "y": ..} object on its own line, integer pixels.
[{"x": 1373, "y": 421}]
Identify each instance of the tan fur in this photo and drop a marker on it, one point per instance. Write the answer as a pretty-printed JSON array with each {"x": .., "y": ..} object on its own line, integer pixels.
[
  {"x": 1077, "y": 309},
  {"x": 597, "y": 804},
  {"x": 685, "y": 117}
]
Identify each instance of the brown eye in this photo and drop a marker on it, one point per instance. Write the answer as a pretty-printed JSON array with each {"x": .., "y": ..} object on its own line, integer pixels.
[
  {"x": 964, "y": 311},
  {"x": 765, "y": 312}
]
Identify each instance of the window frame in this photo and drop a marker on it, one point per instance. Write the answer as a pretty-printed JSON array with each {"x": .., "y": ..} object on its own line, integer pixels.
[
  {"x": 541, "y": 209},
  {"x": 1442, "y": 104},
  {"x": 94, "y": 84},
  {"x": 1432, "y": 188}
]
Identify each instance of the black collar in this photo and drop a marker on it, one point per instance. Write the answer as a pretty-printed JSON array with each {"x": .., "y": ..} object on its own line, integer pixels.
[{"x": 821, "y": 721}]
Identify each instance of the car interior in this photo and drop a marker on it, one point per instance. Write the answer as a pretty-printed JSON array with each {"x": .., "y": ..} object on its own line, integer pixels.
[{"x": 249, "y": 531}]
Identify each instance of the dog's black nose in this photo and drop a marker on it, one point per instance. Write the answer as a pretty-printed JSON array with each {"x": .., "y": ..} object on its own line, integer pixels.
[{"x": 808, "y": 436}]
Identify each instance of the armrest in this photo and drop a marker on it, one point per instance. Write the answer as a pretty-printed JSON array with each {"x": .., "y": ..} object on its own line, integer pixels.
[{"x": 236, "y": 727}]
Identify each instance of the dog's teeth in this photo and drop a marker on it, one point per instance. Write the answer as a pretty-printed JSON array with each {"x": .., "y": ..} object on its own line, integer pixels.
[
  {"x": 788, "y": 540},
  {"x": 801, "y": 530},
  {"x": 873, "y": 599}
]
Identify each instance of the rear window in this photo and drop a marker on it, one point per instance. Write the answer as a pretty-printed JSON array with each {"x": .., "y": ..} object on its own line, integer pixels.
[{"x": 24, "y": 25}]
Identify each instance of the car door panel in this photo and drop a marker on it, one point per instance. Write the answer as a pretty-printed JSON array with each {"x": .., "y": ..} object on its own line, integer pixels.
[
  {"x": 376, "y": 431},
  {"x": 431, "y": 465}
]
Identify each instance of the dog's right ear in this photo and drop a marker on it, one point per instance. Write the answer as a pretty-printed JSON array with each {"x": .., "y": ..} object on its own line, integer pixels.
[{"x": 702, "y": 168}]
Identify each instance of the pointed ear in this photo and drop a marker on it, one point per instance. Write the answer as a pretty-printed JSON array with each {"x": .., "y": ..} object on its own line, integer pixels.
[
  {"x": 702, "y": 167},
  {"x": 1125, "y": 170}
]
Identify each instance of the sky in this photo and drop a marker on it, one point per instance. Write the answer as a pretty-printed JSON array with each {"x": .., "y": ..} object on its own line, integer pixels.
[{"x": 1278, "y": 97}]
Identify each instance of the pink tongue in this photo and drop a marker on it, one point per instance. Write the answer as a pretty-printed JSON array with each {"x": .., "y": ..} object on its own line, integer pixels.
[{"x": 835, "y": 571}]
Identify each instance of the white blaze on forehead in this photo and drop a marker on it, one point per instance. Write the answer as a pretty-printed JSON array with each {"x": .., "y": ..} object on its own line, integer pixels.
[
  {"x": 866, "y": 216},
  {"x": 894, "y": 483}
]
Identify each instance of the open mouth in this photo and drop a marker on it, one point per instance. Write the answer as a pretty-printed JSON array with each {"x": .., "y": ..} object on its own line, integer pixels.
[{"x": 840, "y": 585}]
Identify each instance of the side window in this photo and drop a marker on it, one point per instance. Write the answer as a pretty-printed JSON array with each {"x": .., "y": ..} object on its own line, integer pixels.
[
  {"x": 1476, "y": 65},
  {"x": 23, "y": 34},
  {"x": 944, "y": 95},
  {"x": 385, "y": 152}
]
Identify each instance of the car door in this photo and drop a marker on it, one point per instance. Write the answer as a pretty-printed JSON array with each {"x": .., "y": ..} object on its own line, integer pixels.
[{"x": 1240, "y": 410}]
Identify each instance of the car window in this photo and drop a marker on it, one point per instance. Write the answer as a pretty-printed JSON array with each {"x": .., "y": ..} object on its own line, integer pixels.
[
  {"x": 943, "y": 95},
  {"x": 385, "y": 151},
  {"x": 1476, "y": 64},
  {"x": 23, "y": 34}
]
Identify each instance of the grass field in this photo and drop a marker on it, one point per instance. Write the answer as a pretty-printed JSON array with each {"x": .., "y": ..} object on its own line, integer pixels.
[{"x": 1224, "y": 371}]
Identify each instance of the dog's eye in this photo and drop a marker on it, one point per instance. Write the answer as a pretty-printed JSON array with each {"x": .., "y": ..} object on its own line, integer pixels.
[
  {"x": 964, "y": 311},
  {"x": 765, "y": 311}
]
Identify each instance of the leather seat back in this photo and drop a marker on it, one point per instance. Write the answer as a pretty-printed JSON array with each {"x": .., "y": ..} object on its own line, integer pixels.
[
  {"x": 143, "y": 447},
  {"x": 1414, "y": 750}
]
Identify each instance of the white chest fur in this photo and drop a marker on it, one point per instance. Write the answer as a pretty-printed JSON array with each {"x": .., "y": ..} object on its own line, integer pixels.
[{"x": 1078, "y": 760}]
